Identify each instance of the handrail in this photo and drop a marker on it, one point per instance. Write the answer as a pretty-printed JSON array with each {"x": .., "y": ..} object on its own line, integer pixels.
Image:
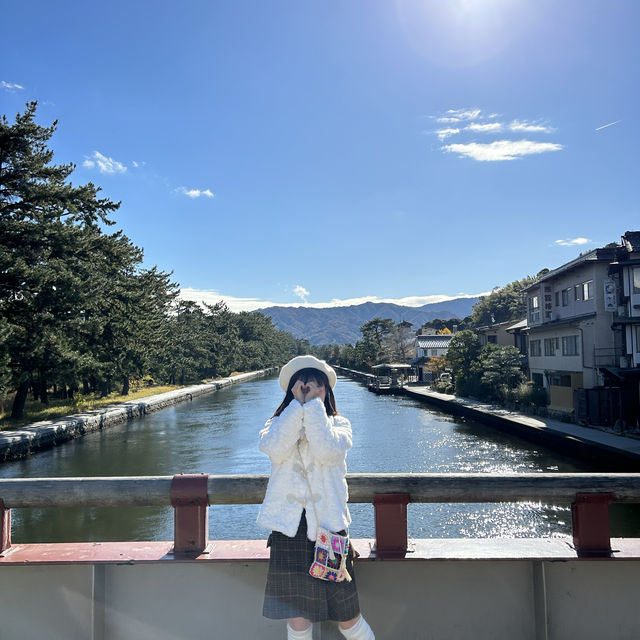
[{"x": 250, "y": 489}]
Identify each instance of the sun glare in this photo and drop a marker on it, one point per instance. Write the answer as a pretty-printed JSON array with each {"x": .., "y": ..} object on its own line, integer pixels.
[{"x": 460, "y": 33}]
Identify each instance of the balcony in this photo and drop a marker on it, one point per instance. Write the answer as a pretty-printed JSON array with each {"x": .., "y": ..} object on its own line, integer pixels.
[{"x": 613, "y": 357}]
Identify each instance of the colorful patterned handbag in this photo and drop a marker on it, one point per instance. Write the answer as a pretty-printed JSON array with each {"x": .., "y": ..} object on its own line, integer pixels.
[{"x": 330, "y": 556}]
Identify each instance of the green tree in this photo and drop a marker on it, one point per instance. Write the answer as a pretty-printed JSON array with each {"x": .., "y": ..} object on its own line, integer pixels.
[
  {"x": 5, "y": 372},
  {"x": 462, "y": 356},
  {"x": 501, "y": 369},
  {"x": 347, "y": 357},
  {"x": 187, "y": 352},
  {"x": 374, "y": 340},
  {"x": 42, "y": 223},
  {"x": 221, "y": 339},
  {"x": 502, "y": 304},
  {"x": 439, "y": 325}
]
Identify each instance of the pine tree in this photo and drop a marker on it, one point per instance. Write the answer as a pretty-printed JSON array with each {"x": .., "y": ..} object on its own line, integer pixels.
[{"x": 43, "y": 218}]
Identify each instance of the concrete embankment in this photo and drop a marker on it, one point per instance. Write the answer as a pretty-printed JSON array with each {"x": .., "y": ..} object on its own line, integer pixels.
[
  {"x": 18, "y": 443},
  {"x": 356, "y": 375},
  {"x": 601, "y": 447}
]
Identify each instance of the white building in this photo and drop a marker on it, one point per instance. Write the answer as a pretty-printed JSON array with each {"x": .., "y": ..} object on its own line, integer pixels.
[{"x": 427, "y": 347}]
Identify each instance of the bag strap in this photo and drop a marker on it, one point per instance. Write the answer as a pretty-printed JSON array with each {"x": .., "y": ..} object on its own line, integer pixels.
[{"x": 305, "y": 475}]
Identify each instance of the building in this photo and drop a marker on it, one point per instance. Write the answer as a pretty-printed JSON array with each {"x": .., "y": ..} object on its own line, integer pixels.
[
  {"x": 583, "y": 320},
  {"x": 510, "y": 333},
  {"x": 620, "y": 366},
  {"x": 429, "y": 346}
]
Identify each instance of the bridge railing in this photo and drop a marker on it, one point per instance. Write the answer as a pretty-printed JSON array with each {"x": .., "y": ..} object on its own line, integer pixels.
[{"x": 191, "y": 494}]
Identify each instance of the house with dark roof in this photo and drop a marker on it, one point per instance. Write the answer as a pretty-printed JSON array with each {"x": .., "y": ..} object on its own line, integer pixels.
[
  {"x": 427, "y": 347},
  {"x": 504, "y": 334},
  {"x": 583, "y": 332}
]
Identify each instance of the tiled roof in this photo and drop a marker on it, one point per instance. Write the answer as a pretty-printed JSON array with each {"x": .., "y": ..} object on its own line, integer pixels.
[
  {"x": 434, "y": 342},
  {"x": 561, "y": 321},
  {"x": 632, "y": 240},
  {"x": 606, "y": 254},
  {"x": 518, "y": 325}
]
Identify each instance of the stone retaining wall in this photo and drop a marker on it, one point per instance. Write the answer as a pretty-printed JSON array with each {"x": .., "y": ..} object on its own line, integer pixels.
[{"x": 19, "y": 443}]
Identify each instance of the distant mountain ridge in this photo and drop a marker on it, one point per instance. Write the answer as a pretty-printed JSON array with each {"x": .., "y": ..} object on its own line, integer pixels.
[{"x": 341, "y": 325}]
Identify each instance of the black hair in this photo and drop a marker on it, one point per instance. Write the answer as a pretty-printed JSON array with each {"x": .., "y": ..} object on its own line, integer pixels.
[{"x": 306, "y": 375}]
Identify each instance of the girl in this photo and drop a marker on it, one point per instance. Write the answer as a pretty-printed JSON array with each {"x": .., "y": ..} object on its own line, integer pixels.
[{"x": 306, "y": 434}]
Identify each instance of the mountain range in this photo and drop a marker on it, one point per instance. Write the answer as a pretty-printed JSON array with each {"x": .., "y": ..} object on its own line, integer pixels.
[{"x": 341, "y": 325}]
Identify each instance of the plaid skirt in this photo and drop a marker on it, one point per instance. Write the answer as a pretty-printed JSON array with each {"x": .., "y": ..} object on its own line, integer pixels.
[{"x": 292, "y": 593}]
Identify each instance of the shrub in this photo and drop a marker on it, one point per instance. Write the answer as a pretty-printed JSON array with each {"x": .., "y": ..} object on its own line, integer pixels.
[
  {"x": 444, "y": 387},
  {"x": 529, "y": 394}
]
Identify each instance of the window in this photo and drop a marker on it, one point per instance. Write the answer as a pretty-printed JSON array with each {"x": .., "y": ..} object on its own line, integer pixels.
[
  {"x": 637, "y": 330},
  {"x": 584, "y": 290},
  {"x": 570, "y": 346},
  {"x": 492, "y": 339},
  {"x": 534, "y": 348},
  {"x": 551, "y": 345},
  {"x": 636, "y": 280},
  {"x": 534, "y": 308},
  {"x": 560, "y": 380},
  {"x": 565, "y": 297},
  {"x": 557, "y": 298}
]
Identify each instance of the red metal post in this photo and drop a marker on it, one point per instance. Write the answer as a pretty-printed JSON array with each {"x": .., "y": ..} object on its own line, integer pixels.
[
  {"x": 391, "y": 524},
  {"x": 591, "y": 532},
  {"x": 5, "y": 528},
  {"x": 191, "y": 505}
]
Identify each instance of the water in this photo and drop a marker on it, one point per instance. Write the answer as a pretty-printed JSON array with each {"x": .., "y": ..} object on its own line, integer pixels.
[{"x": 218, "y": 434}]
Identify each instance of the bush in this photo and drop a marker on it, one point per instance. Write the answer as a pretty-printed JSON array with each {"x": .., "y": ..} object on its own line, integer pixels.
[
  {"x": 443, "y": 387},
  {"x": 529, "y": 394}
]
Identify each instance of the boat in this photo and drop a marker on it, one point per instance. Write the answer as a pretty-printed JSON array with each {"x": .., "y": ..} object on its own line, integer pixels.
[{"x": 389, "y": 378}]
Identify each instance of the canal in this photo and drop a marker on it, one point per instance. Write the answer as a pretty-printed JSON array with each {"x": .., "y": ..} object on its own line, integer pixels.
[{"x": 218, "y": 434}]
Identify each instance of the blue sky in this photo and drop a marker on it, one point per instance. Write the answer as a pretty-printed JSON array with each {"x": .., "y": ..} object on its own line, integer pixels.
[{"x": 318, "y": 151}]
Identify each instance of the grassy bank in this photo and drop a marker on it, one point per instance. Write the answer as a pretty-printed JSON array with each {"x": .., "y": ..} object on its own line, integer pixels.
[{"x": 35, "y": 411}]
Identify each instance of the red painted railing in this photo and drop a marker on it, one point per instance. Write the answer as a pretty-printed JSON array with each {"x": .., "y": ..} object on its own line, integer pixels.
[{"x": 191, "y": 495}]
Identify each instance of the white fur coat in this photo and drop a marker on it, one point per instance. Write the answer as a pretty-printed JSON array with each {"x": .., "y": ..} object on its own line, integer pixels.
[{"x": 324, "y": 441}]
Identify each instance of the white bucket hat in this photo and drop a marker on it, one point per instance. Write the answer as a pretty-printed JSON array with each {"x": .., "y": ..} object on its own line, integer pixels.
[{"x": 305, "y": 362}]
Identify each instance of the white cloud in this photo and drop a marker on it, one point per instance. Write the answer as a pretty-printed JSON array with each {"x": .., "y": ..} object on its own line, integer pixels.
[
  {"x": 104, "y": 164},
  {"x": 458, "y": 115},
  {"x": 445, "y": 133},
  {"x": 301, "y": 292},
  {"x": 485, "y": 127},
  {"x": 251, "y": 304},
  {"x": 196, "y": 193},
  {"x": 529, "y": 127},
  {"x": 501, "y": 149},
  {"x": 10, "y": 86},
  {"x": 137, "y": 165},
  {"x": 570, "y": 242}
]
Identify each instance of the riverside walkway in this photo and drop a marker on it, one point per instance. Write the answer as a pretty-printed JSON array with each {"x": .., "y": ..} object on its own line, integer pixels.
[{"x": 555, "y": 433}]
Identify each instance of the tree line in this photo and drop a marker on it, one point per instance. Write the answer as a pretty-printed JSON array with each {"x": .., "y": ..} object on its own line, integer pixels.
[
  {"x": 385, "y": 341},
  {"x": 78, "y": 312}
]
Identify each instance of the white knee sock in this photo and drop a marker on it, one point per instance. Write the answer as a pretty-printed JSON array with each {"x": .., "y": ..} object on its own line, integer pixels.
[
  {"x": 360, "y": 631},
  {"x": 292, "y": 634}
]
